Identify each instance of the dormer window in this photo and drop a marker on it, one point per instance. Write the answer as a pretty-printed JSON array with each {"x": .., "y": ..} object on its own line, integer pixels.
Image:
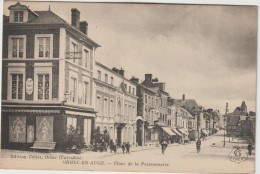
[{"x": 18, "y": 16}]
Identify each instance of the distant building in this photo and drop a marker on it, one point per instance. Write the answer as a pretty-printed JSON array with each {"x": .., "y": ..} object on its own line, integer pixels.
[{"x": 116, "y": 104}]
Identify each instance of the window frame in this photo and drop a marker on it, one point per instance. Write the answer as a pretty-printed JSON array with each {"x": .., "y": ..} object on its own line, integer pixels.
[
  {"x": 36, "y": 47},
  {"x": 10, "y": 46},
  {"x": 15, "y": 68},
  {"x": 19, "y": 16}
]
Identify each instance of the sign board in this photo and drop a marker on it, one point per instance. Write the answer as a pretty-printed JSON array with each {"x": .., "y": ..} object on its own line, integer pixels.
[{"x": 29, "y": 86}]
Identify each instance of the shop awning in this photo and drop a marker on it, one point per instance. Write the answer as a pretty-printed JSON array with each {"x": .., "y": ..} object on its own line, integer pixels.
[
  {"x": 150, "y": 127},
  {"x": 205, "y": 131},
  {"x": 176, "y": 132},
  {"x": 168, "y": 130},
  {"x": 183, "y": 131}
]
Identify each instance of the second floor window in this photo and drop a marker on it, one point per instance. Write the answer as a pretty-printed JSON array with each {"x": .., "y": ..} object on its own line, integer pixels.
[
  {"x": 73, "y": 89},
  {"x": 75, "y": 50},
  {"x": 112, "y": 81},
  {"x": 85, "y": 97},
  {"x": 18, "y": 47},
  {"x": 99, "y": 75},
  {"x": 106, "y": 78},
  {"x": 44, "y": 47},
  {"x": 86, "y": 57},
  {"x": 17, "y": 86},
  {"x": 18, "y": 16},
  {"x": 43, "y": 87},
  {"x": 111, "y": 108}
]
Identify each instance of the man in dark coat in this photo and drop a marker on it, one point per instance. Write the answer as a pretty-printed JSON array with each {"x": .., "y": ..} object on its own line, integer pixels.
[
  {"x": 198, "y": 144},
  {"x": 249, "y": 147},
  {"x": 111, "y": 145},
  {"x": 127, "y": 147}
]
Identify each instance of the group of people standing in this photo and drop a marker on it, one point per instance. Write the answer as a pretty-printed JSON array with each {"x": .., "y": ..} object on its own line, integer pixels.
[{"x": 114, "y": 146}]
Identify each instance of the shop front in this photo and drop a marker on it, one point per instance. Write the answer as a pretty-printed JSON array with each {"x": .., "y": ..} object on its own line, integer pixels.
[{"x": 23, "y": 125}]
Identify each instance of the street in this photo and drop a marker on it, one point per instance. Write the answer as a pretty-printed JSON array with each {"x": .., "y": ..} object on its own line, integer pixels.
[{"x": 178, "y": 157}]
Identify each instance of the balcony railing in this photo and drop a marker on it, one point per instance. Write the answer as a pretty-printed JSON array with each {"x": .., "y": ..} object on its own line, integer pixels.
[
  {"x": 121, "y": 119},
  {"x": 73, "y": 55}
]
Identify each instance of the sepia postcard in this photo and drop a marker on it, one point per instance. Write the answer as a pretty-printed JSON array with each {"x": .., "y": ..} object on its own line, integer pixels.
[{"x": 128, "y": 87}]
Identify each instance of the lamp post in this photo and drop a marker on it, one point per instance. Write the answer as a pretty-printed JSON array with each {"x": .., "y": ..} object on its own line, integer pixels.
[
  {"x": 225, "y": 126},
  {"x": 66, "y": 96}
]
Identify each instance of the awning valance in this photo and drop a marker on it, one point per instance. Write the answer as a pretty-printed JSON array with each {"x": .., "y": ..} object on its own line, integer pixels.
[
  {"x": 150, "y": 127},
  {"x": 80, "y": 113},
  {"x": 168, "y": 130},
  {"x": 37, "y": 111},
  {"x": 176, "y": 132},
  {"x": 183, "y": 131},
  {"x": 205, "y": 131}
]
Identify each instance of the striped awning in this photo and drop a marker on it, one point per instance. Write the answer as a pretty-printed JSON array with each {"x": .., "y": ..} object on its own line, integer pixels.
[
  {"x": 176, "y": 132},
  {"x": 168, "y": 130}
]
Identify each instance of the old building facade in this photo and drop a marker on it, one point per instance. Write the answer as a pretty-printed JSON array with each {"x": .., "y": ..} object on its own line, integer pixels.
[
  {"x": 116, "y": 104},
  {"x": 47, "y": 82}
]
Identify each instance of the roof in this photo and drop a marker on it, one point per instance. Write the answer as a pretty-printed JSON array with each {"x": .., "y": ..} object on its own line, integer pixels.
[
  {"x": 189, "y": 104},
  {"x": 105, "y": 67},
  {"x": 233, "y": 121},
  {"x": 49, "y": 17}
]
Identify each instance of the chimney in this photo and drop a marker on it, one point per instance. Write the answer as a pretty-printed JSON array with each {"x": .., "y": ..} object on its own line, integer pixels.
[
  {"x": 134, "y": 79},
  {"x": 121, "y": 72},
  {"x": 155, "y": 80},
  {"x": 183, "y": 97},
  {"x": 83, "y": 27},
  {"x": 75, "y": 17},
  {"x": 161, "y": 85},
  {"x": 148, "y": 77},
  {"x": 115, "y": 70}
]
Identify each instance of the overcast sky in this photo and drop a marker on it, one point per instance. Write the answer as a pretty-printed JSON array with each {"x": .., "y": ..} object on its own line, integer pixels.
[{"x": 206, "y": 52}]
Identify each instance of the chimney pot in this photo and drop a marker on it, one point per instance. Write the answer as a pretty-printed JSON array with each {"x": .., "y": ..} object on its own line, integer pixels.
[{"x": 83, "y": 26}]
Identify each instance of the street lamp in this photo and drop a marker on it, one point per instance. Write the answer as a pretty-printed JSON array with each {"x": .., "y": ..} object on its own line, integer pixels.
[{"x": 66, "y": 96}]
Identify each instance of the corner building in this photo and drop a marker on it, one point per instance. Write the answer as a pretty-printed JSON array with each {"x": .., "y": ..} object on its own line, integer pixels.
[{"x": 47, "y": 78}]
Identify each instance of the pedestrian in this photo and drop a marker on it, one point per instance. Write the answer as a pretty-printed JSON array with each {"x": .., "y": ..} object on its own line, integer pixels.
[
  {"x": 249, "y": 147},
  {"x": 127, "y": 147},
  {"x": 123, "y": 147},
  {"x": 198, "y": 144},
  {"x": 111, "y": 145},
  {"x": 164, "y": 146}
]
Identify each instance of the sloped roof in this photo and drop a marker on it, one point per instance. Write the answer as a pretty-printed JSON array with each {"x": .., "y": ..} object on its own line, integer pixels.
[
  {"x": 47, "y": 17},
  {"x": 189, "y": 104}
]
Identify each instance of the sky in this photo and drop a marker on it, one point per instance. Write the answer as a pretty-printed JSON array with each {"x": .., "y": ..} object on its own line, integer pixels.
[{"x": 208, "y": 53}]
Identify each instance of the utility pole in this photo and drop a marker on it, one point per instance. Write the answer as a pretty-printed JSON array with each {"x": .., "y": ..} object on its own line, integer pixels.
[{"x": 225, "y": 123}]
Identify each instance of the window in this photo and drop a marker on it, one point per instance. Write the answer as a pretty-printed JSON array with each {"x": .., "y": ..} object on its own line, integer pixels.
[
  {"x": 99, "y": 106},
  {"x": 149, "y": 100},
  {"x": 129, "y": 111},
  {"x": 71, "y": 122},
  {"x": 125, "y": 110},
  {"x": 75, "y": 50},
  {"x": 126, "y": 87},
  {"x": 105, "y": 107},
  {"x": 129, "y": 89},
  {"x": 86, "y": 57},
  {"x": 133, "y": 112},
  {"x": 119, "y": 107},
  {"x": 18, "y": 16},
  {"x": 112, "y": 80},
  {"x": 17, "y": 47},
  {"x": 133, "y": 91},
  {"x": 99, "y": 75},
  {"x": 44, "y": 47},
  {"x": 73, "y": 89},
  {"x": 43, "y": 87},
  {"x": 85, "y": 95},
  {"x": 145, "y": 97},
  {"x": 106, "y": 78},
  {"x": 111, "y": 108},
  {"x": 17, "y": 86}
]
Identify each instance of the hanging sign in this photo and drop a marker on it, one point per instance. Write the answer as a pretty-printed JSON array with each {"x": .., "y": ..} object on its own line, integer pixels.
[{"x": 29, "y": 86}]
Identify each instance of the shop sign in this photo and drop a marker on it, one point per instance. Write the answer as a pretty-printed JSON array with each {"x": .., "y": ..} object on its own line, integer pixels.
[{"x": 29, "y": 86}]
